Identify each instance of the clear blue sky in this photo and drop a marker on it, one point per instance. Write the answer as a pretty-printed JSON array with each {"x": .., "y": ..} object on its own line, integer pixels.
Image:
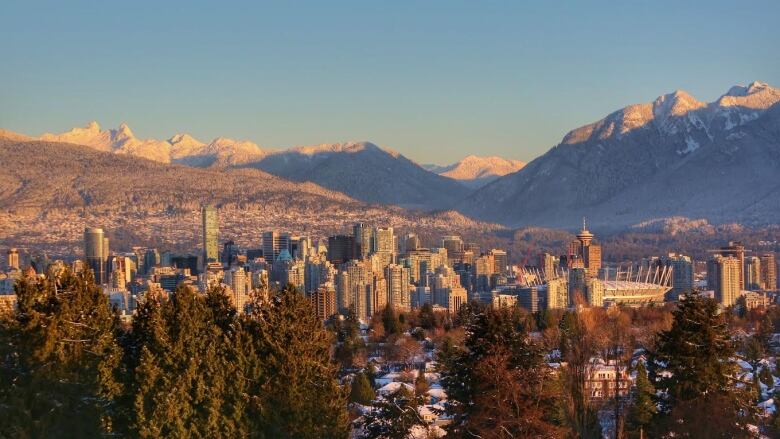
[{"x": 435, "y": 80}]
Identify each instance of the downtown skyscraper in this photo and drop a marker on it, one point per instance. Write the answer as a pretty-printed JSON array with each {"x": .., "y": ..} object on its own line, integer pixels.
[
  {"x": 210, "y": 222},
  {"x": 96, "y": 253}
]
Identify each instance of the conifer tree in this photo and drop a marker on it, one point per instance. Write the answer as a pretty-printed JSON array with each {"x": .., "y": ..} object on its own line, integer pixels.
[
  {"x": 497, "y": 345},
  {"x": 300, "y": 396},
  {"x": 58, "y": 359},
  {"x": 361, "y": 391},
  {"x": 184, "y": 383},
  {"x": 643, "y": 404},
  {"x": 420, "y": 384},
  {"x": 390, "y": 321},
  {"x": 393, "y": 416},
  {"x": 697, "y": 353}
]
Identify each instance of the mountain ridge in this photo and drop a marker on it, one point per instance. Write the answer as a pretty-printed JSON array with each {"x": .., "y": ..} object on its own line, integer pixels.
[{"x": 675, "y": 156}]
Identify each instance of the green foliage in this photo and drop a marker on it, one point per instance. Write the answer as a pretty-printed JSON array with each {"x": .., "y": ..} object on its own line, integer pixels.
[
  {"x": 427, "y": 316},
  {"x": 390, "y": 321},
  {"x": 696, "y": 352},
  {"x": 420, "y": 384},
  {"x": 499, "y": 373},
  {"x": 392, "y": 417},
  {"x": 190, "y": 367},
  {"x": 361, "y": 391},
  {"x": 58, "y": 358},
  {"x": 643, "y": 404}
]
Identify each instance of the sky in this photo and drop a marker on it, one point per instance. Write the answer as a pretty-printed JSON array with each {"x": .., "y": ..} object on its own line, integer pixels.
[{"x": 434, "y": 80}]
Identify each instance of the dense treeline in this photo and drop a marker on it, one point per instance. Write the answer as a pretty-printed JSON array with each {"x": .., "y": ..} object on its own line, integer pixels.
[{"x": 189, "y": 366}]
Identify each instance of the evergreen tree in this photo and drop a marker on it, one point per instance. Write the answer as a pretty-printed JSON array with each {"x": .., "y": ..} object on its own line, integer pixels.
[
  {"x": 420, "y": 384},
  {"x": 701, "y": 380},
  {"x": 498, "y": 345},
  {"x": 643, "y": 404},
  {"x": 390, "y": 321},
  {"x": 185, "y": 383},
  {"x": 300, "y": 396},
  {"x": 361, "y": 392},
  {"x": 427, "y": 316},
  {"x": 393, "y": 416},
  {"x": 58, "y": 359}
]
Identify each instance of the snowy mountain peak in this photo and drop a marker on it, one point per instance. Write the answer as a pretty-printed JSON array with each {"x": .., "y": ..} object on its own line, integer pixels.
[
  {"x": 124, "y": 132},
  {"x": 184, "y": 139},
  {"x": 756, "y": 96},
  {"x": 475, "y": 171},
  {"x": 92, "y": 126}
]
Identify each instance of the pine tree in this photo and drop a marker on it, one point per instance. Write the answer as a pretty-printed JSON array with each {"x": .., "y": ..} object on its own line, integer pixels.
[
  {"x": 393, "y": 416},
  {"x": 420, "y": 384},
  {"x": 498, "y": 345},
  {"x": 390, "y": 321},
  {"x": 643, "y": 404},
  {"x": 185, "y": 348},
  {"x": 300, "y": 396},
  {"x": 361, "y": 391},
  {"x": 58, "y": 360},
  {"x": 696, "y": 352}
]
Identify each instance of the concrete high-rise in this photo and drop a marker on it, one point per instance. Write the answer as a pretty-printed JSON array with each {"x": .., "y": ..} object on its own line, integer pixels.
[
  {"x": 96, "y": 253},
  {"x": 500, "y": 261},
  {"x": 384, "y": 241},
  {"x": 753, "y": 274},
  {"x": 210, "y": 224},
  {"x": 723, "y": 277},
  {"x": 273, "y": 244},
  {"x": 769, "y": 271},
  {"x": 736, "y": 250},
  {"x": 363, "y": 240},
  {"x": 341, "y": 249},
  {"x": 398, "y": 279},
  {"x": 682, "y": 273},
  {"x": 12, "y": 259}
]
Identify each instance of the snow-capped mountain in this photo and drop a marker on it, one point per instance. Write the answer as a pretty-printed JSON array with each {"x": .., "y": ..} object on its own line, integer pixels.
[
  {"x": 475, "y": 171},
  {"x": 674, "y": 156},
  {"x": 181, "y": 148},
  {"x": 366, "y": 172},
  {"x": 362, "y": 170}
]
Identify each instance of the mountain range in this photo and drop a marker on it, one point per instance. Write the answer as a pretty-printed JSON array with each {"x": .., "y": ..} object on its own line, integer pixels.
[
  {"x": 675, "y": 156},
  {"x": 362, "y": 170},
  {"x": 475, "y": 171}
]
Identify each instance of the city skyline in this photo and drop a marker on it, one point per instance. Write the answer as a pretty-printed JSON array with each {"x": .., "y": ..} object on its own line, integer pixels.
[{"x": 418, "y": 79}]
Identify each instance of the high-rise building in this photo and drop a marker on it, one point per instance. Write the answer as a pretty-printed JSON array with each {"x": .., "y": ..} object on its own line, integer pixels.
[
  {"x": 324, "y": 301},
  {"x": 548, "y": 264},
  {"x": 230, "y": 252},
  {"x": 341, "y": 249},
  {"x": 723, "y": 276},
  {"x": 500, "y": 260},
  {"x": 12, "y": 259},
  {"x": 273, "y": 244},
  {"x": 398, "y": 279},
  {"x": 362, "y": 242},
  {"x": 210, "y": 223},
  {"x": 557, "y": 293},
  {"x": 682, "y": 273},
  {"x": 768, "y": 271},
  {"x": 384, "y": 241},
  {"x": 240, "y": 285},
  {"x": 753, "y": 274},
  {"x": 151, "y": 260},
  {"x": 411, "y": 242},
  {"x": 358, "y": 287},
  {"x": 317, "y": 273},
  {"x": 96, "y": 253},
  {"x": 736, "y": 250}
]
